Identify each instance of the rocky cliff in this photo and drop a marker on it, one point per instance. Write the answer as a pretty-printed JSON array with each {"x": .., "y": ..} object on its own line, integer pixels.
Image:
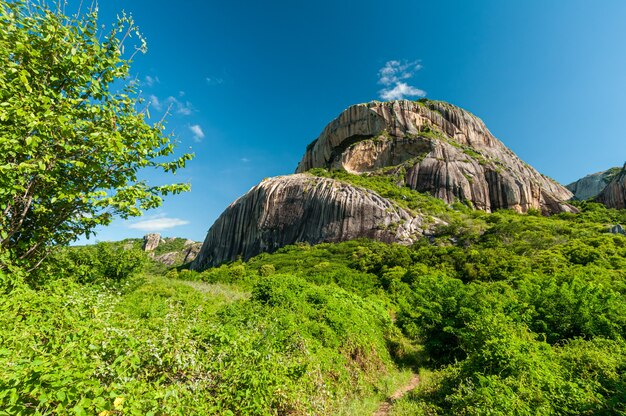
[
  {"x": 442, "y": 149},
  {"x": 591, "y": 185},
  {"x": 429, "y": 146},
  {"x": 614, "y": 194},
  {"x": 303, "y": 208}
]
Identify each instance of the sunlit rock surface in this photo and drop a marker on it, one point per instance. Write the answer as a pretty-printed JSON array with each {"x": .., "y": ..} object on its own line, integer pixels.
[
  {"x": 446, "y": 151},
  {"x": 303, "y": 208}
]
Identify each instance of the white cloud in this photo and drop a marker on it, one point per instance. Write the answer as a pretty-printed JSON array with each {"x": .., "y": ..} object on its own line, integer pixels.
[
  {"x": 158, "y": 224},
  {"x": 392, "y": 76},
  {"x": 198, "y": 134},
  {"x": 395, "y": 71},
  {"x": 156, "y": 103},
  {"x": 184, "y": 108},
  {"x": 150, "y": 81},
  {"x": 401, "y": 90},
  {"x": 245, "y": 160},
  {"x": 214, "y": 81},
  {"x": 180, "y": 107}
]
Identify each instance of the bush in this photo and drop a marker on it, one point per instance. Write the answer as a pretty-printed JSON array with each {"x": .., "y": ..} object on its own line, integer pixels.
[
  {"x": 95, "y": 263},
  {"x": 267, "y": 270}
]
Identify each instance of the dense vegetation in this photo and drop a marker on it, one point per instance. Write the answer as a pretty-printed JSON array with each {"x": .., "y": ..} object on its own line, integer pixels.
[
  {"x": 100, "y": 338},
  {"x": 501, "y": 314}
]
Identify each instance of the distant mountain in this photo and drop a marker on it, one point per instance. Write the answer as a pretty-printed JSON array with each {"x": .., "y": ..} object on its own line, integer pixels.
[
  {"x": 591, "y": 185},
  {"x": 428, "y": 146}
]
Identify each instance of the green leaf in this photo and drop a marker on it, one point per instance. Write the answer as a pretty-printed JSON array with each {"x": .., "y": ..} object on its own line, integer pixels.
[{"x": 24, "y": 77}]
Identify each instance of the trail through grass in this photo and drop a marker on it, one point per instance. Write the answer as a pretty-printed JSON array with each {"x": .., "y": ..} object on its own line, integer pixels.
[{"x": 385, "y": 407}]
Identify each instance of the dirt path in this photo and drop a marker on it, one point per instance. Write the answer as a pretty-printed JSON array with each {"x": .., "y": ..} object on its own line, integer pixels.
[{"x": 385, "y": 407}]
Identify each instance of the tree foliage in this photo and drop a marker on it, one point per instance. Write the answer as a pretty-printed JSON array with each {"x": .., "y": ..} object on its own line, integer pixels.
[{"x": 73, "y": 139}]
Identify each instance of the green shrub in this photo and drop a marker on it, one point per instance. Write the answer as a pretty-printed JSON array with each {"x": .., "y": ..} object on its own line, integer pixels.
[
  {"x": 267, "y": 270},
  {"x": 94, "y": 263},
  {"x": 576, "y": 305}
]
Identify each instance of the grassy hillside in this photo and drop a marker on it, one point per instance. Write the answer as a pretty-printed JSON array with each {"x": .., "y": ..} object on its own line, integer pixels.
[{"x": 500, "y": 314}]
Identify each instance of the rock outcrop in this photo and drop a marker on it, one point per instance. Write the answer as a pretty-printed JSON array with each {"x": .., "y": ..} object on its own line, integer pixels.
[
  {"x": 430, "y": 146},
  {"x": 169, "y": 250},
  {"x": 178, "y": 257},
  {"x": 591, "y": 185},
  {"x": 191, "y": 251},
  {"x": 151, "y": 241},
  {"x": 614, "y": 194},
  {"x": 442, "y": 149},
  {"x": 303, "y": 208}
]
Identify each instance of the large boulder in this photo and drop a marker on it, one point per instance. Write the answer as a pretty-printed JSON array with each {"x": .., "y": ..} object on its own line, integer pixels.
[
  {"x": 302, "y": 208},
  {"x": 151, "y": 241},
  {"x": 444, "y": 150}
]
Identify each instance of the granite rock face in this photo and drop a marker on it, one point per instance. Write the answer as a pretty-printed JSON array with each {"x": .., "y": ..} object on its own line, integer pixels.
[
  {"x": 591, "y": 185},
  {"x": 151, "y": 241},
  {"x": 191, "y": 251},
  {"x": 168, "y": 259},
  {"x": 185, "y": 255},
  {"x": 442, "y": 150},
  {"x": 302, "y": 208},
  {"x": 429, "y": 146},
  {"x": 614, "y": 194}
]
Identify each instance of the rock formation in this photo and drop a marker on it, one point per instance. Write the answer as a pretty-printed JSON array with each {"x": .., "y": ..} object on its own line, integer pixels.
[
  {"x": 151, "y": 241},
  {"x": 614, "y": 194},
  {"x": 430, "y": 146},
  {"x": 444, "y": 150},
  {"x": 191, "y": 251},
  {"x": 168, "y": 254},
  {"x": 303, "y": 208},
  {"x": 591, "y": 185},
  {"x": 169, "y": 259},
  {"x": 179, "y": 257}
]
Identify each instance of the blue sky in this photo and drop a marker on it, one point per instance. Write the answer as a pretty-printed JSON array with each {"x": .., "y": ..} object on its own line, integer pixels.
[{"x": 251, "y": 83}]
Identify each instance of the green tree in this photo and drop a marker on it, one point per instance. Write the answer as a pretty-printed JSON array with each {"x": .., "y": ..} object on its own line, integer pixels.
[{"x": 73, "y": 135}]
